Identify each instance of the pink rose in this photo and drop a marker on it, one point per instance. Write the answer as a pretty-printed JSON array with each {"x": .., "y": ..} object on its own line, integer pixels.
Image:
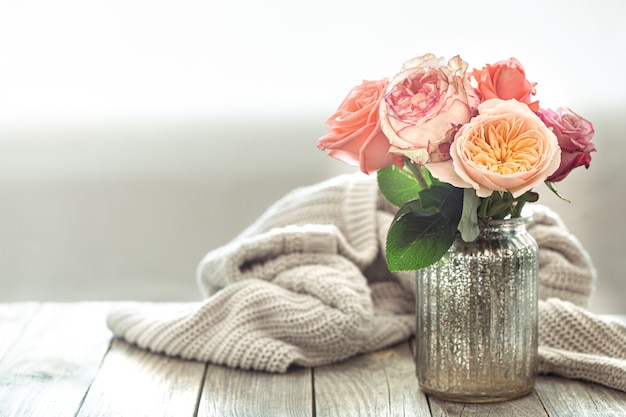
[
  {"x": 505, "y": 148},
  {"x": 427, "y": 102},
  {"x": 354, "y": 134},
  {"x": 505, "y": 80},
  {"x": 574, "y": 134}
]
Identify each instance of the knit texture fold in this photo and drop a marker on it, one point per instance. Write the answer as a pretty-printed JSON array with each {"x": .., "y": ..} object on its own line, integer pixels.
[{"x": 307, "y": 284}]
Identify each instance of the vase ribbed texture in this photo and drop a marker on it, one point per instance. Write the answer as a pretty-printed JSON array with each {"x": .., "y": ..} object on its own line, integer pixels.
[{"x": 477, "y": 317}]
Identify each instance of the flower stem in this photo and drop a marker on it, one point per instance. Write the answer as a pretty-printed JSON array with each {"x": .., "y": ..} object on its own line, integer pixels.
[
  {"x": 516, "y": 210},
  {"x": 416, "y": 170},
  {"x": 482, "y": 209}
]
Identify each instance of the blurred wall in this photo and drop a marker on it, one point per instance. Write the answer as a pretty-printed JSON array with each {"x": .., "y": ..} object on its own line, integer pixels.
[
  {"x": 136, "y": 136},
  {"x": 127, "y": 212}
]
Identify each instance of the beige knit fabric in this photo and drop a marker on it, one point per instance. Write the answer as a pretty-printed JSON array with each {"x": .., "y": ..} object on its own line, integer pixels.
[
  {"x": 306, "y": 284},
  {"x": 577, "y": 344}
]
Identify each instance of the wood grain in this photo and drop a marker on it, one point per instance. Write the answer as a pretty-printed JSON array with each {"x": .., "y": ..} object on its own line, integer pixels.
[
  {"x": 377, "y": 384},
  {"x": 57, "y": 359},
  {"x": 48, "y": 369},
  {"x": 135, "y": 382},
  {"x": 13, "y": 319},
  {"x": 230, "y": 392},
  {"x": 566, "y": 397},
  {"x": 528, "y": 406}
]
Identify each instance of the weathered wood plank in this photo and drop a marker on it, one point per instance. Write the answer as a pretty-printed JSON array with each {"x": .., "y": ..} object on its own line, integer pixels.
[
  {"x": 230, "y": 392},
  {"x": 13, "y": 319},
  {"x": 377, "y": 384},
  {"x": 528, "y": 406},
  {"x": 47, "y": 371},
  {"x": 135, "y": 382},
  {"x": 567, "y": 397},
  {"x": 51, "y": 352}
]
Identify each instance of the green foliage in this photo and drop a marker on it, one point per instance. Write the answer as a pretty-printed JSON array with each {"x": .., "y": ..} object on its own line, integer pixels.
[
  {"x": 556, "y": 192},
  {"x": 501, "y": 204},
  {"x": 398, "y": 185},
  {"x": 424, "y": 228},
  {"x": 432, "y": 212}
]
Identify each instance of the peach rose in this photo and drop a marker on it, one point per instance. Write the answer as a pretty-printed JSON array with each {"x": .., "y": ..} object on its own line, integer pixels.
[
  {"x": 505, "y": 148},
  {"x": 574, "y": 134},
  {"x": 354, "y": 134},
  {"x": 505, "y": 80},
  {"x": 426, "y": 103}
]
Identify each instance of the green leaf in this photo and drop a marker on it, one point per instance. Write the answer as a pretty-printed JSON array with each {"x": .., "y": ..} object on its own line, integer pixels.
[
  {"x": 433, "y": 197},
  {"x": 528, "y": 197},
  {"x": 411, "y": 206},
  {"x": 415, "y": 242},
  {"x": 430, "y": 179},
  {"x": 397, "y": 185},
  {"x": 468, "y": 226},
  {"x": 552, "y": 188},
  {"x": 419, "y": 236},
  {"x": 443, "y": 198}
]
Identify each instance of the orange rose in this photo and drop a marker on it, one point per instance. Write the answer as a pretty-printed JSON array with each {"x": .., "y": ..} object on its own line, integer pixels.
[
  {"x": 506, "y": 147},
  {"x": 354, "y": 134},
  {"x": 505, "y": 80}
]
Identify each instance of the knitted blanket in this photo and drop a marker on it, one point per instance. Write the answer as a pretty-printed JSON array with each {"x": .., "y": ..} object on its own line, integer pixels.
[{"x": 307, "y": 284}]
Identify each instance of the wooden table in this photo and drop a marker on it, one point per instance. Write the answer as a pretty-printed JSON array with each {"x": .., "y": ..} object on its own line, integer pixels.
[{"x": 59, "y": 359}]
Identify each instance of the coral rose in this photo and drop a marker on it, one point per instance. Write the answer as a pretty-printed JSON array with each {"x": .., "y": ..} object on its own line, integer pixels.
[
  {"x": 426, "y": 103},
  {"x": 505, "y": 148},
  {"x": 574, "y": 134},
  {"x": 354, "y": 134},
  {"x": 505, "y": 80}
]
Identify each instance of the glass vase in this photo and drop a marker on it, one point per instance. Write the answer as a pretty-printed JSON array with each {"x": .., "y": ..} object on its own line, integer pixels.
[{"x": 477, "y": 311}]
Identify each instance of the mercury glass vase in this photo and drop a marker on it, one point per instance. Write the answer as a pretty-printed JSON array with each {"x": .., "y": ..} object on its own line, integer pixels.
[{"x": 477, "y": 316}]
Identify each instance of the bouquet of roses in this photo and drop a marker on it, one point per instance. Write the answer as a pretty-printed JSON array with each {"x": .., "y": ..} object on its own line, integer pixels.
[{"x": 453, "y": 149}]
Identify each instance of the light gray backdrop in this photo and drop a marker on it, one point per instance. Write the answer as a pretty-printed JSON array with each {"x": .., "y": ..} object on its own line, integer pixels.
[{"x": 137, "y": 135}]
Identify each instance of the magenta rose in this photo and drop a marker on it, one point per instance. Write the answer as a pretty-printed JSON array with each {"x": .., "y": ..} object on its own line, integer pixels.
[
  {"x": 574, "y": 134},
  {"x": 426, "y": 104},
  {"x": 354, "y": 134}
]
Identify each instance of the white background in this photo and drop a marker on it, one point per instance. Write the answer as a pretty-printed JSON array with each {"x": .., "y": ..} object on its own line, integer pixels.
[
  {"x": 137, "y": 135},
  {"x": 106, "y": 59}
]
